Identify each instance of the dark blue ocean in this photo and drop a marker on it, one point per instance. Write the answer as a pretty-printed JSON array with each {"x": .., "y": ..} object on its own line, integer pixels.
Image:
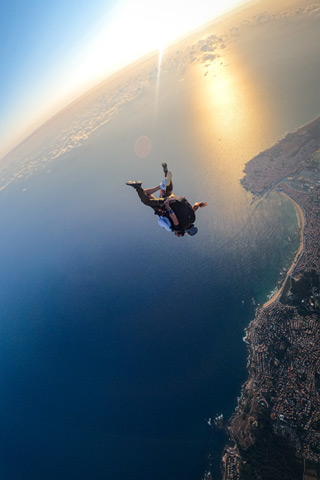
[{"x": 118, "y": 340}]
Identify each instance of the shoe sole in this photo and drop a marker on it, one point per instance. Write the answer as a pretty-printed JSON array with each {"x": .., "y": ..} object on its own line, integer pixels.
[{"x": 165, "y": 167}]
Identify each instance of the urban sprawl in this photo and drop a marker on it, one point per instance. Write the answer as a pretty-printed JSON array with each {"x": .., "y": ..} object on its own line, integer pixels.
[{"x": 282, "y": 393}]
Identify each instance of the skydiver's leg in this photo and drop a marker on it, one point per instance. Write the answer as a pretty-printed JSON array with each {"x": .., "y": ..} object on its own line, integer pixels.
[
  {"x": 169, "y": 186},
  {"x": 150, "y": 191},
  {"x": 166, "y": 186},
  {"x": 149, "y": 200}
]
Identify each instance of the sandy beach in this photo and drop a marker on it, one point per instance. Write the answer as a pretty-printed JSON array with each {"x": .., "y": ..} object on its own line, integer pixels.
[{"x": 302, "y": 224}]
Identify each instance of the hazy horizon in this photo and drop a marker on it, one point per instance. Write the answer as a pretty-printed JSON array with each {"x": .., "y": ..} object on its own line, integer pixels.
[
  {"x": 55, "y": 54},
  {"x": 153, "y": 56}
]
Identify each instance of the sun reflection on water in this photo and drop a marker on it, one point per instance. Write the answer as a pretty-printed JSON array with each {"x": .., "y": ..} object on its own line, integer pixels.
[
  {"x": 229, "y": 113},
  {"x": 233, "y": 107}
]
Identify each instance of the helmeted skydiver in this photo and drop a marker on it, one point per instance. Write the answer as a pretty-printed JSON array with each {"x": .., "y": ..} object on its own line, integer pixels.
[{"x": 175, "y": 212}]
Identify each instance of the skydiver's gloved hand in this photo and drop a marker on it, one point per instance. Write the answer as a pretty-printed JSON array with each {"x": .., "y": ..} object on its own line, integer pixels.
[{"x": 176, "y": 228}]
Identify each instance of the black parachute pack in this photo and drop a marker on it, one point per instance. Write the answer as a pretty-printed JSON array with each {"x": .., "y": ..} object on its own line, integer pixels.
[{"x": 183, "y": 210}]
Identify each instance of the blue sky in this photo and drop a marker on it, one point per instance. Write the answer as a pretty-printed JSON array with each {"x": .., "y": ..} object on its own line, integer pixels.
[
  {"x": 38, "y": 45},
  {"x": 52, "y": 51}
]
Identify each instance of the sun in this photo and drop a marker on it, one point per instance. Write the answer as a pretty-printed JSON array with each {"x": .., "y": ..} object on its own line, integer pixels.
[
  {"x": 140, "y": 27},
  {"x": 147, "y": 24}
]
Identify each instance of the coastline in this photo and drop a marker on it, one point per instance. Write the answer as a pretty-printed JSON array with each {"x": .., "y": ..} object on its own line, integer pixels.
[
  {"x": 276, "y": 419},
  {"x": 302, "y": 223}
]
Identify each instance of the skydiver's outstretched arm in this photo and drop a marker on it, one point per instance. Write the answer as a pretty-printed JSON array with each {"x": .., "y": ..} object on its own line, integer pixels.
[{"x": 199, "y": 204}]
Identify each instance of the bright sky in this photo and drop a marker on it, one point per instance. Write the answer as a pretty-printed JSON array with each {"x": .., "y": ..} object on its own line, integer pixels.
[{"x": 54, "y": 50}]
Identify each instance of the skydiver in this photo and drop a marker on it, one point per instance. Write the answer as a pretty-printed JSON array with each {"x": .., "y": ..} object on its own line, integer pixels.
[{"x": 175, "y": 212}]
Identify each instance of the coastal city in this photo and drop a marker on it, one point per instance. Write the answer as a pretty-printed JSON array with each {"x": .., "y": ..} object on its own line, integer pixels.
[{"x": 276, "y": 425}]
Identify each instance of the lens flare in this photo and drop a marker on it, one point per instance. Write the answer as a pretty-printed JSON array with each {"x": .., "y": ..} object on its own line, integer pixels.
[{"x": 142, "y": 146}]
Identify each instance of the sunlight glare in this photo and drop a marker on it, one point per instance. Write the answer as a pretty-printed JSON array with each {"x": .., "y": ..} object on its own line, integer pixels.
[
  {"x": 143, "y": 26},
  {"x": 160, "y": 53}
]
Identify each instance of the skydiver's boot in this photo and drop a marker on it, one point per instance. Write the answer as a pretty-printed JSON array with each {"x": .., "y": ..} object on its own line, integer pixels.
[
  {"x": 135, "y": 185},
  {"x": 165, "y": 169}
]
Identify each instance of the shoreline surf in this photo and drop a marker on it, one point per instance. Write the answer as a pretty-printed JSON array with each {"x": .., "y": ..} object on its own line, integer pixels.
[{"x": 302, "y": 222}]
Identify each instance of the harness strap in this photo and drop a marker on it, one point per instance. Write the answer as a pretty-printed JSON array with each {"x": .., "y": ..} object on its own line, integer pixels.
[{"x": 160, "y": 212}]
